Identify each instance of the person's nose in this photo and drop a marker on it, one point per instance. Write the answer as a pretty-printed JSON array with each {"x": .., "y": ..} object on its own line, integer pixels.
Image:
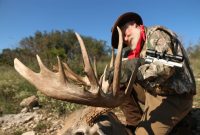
[{"x": 126, "y": 36}]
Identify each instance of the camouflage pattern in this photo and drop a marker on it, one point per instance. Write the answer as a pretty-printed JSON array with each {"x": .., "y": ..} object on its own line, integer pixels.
[{"x": 162, "y": 79}]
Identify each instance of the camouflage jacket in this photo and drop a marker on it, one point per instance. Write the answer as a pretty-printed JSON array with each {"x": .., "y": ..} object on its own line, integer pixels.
[{"x": 162, "y": 79}]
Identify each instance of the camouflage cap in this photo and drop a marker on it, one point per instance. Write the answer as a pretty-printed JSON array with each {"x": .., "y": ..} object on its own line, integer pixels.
[{"x": 122, "y": 20}]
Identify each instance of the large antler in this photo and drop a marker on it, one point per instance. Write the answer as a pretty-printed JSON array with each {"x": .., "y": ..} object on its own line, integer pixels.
[{"x": 57, "y": 85}]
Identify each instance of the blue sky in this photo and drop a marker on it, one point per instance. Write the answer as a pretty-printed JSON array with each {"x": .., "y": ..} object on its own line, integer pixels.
[{"x": 22, "y": 18}]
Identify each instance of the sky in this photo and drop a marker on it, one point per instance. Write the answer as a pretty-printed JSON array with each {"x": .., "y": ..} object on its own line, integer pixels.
[{"x": 22, "y": 18}]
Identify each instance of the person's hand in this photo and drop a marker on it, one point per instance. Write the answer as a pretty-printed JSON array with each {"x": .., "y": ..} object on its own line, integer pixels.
[
  {"x": 124, "y": 76},
  {"x": 126, "y": 70}
]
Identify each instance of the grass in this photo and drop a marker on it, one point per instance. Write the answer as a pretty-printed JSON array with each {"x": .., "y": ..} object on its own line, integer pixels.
[
  {"x": 195, "y": 64},
  {"x": 14, "y": 88},
  {"x": 41, "y": 127},
  {"x": 17, "y": 132},
  {"x": 196, "y": 102}
]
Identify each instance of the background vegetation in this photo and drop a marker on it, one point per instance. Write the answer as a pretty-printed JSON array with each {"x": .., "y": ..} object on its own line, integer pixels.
[{"x": 13, "y": 88}]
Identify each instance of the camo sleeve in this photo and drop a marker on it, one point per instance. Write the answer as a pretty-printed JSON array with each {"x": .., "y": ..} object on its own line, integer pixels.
[{"x": 161, "y": 42}]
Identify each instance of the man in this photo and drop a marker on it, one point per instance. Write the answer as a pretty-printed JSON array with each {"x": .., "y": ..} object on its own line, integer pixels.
[{"x": 166, "y": 91}]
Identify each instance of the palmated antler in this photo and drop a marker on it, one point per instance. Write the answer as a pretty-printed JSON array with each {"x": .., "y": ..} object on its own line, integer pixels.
[{"x": 57, "y": 85}]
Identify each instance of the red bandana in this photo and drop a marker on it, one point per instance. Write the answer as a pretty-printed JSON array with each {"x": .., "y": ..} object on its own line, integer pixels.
[{"x": 136, "y": 52}]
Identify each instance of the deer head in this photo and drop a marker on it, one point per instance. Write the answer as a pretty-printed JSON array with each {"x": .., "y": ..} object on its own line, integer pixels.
[
  {"x": 93, "y": 121},
  {"x": 58, "y": 86}
]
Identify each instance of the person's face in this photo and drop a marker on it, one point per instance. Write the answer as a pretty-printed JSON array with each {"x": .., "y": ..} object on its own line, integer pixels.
[{"x": 131, "y": 34}]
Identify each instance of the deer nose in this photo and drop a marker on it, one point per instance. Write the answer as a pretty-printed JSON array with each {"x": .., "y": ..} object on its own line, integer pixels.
[{"x": 79, "y": 133}]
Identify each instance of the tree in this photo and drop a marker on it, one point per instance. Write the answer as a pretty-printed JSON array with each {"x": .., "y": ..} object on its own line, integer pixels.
[{"x": 64, "y": 44}]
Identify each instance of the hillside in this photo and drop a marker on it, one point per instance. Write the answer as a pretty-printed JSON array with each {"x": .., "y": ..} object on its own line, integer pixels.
[{"x": 13, "y": 89}]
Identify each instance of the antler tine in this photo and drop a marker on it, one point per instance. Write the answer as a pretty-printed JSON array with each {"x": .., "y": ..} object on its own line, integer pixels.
[
  {"x": 95, "y": 67},
  {"x": 117, "y": 64},
  {"x": 23, "y": 70},
  {"x": 73, "y": 76},
  {"x": 132, "y": 78},
  {"x": 43, "y": 68},
  {"x": 104, "y": 83},
  {"x": 62, "y": 77},
  {"x": 112, "y": 58},
  {"x": 87, "y": 65}
]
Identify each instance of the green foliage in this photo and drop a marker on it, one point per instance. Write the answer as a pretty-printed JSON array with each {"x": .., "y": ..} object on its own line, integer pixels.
[
  {"x": 194, "y": 55},
  {"x": 56, "y": 43},
  {"x": 48, "y": 45},
  {"x": 13, "y": 88},
  {"x": 197, "y": 96}
]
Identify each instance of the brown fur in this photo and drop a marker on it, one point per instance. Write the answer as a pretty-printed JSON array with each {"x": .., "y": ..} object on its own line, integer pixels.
[{"x": 106, "y": 123}]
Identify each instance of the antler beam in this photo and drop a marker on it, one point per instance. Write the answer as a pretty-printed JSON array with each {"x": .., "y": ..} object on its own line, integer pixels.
[{"x": 56, "y": 85}]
